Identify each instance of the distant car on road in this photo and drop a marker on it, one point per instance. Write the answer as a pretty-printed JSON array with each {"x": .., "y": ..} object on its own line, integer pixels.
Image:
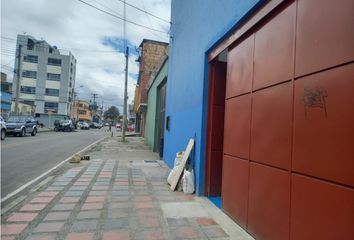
[
  {"x": 84, "y": 125},
  {"x": 118, "y": 126},
  {"x": 95, "y": 125},
  {"x": 20, "y": 125},
  {"x": 3, "y": 128}
]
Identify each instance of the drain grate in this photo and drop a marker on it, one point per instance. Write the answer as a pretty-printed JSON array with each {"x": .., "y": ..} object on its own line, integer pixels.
[{"x": 150, "y": 161}]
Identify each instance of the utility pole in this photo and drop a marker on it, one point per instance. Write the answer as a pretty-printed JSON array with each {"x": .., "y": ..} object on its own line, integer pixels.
[
  {"x": 126, "y": 78},
  {"x": 125, "y": 95},
  {"x": 18, "y": 80}
]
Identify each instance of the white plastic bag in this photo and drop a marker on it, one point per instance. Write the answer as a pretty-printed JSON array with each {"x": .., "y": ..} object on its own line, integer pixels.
[{"x": 188, "y": 182}]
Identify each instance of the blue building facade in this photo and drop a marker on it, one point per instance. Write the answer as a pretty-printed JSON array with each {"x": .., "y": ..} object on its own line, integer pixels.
[{"x": 196, "y": 27}]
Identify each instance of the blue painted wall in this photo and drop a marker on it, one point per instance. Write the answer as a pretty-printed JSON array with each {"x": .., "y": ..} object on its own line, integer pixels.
[{"x": 196, "y": 26}]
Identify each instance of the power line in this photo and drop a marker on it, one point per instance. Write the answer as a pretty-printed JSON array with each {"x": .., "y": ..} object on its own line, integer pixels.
[
  {"x": 115, "y": 16},
  {"x": 144, "y": 11}
]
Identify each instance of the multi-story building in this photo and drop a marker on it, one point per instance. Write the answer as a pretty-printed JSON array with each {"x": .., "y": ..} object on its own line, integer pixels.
[
  {"x": 5, "y": 96},
  {"x": 81, "y": 111},
  {"x": 152, "y": 54},
  {"x": 47, "y": 77}
]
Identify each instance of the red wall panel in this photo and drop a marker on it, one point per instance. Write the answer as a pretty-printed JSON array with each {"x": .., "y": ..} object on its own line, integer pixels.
[
  {"x": 273, "y": 60},
  {"x": 321, "y": 210},
  {"x": 237, "y": 126},
  {"x": 240, "y": 68},
  {"x": 269, "y": 202},
  {"x": 272, "y": 125},
  {"x": 235, "y": 188},
  {"x": 324, "y": 35},
  {"x": 324, "y": 125}
]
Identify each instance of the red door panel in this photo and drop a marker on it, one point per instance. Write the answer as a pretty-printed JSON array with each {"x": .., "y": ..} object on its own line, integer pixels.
[
  {"x": 269, "y": 203},
  {"x": 321, "y": 210},
  {"x": 237, "y": 126},
  {"x": 324, "y": 125},
  {"x": 217, "y": 137},
  {"x": 240, "y": 68},
  {"x": 324, "y": 35},
  {"x": 235, "y": 188},
  {"x": 273, "y": 60},
  {"x": 272, "y": 125}
]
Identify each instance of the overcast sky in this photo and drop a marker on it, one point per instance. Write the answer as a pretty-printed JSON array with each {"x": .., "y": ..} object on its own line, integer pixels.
[{"x": 94, "y": 38}]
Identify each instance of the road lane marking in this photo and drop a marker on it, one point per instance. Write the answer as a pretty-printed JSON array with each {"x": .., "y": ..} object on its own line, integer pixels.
[{"x": 49, "y": 171}]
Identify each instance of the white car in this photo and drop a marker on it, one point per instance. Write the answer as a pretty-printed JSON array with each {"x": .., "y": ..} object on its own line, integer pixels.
[{"x": 3, "y": 128}]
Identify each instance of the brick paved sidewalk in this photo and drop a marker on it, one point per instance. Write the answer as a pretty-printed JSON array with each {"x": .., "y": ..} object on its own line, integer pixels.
[{"x": 116, "y": 196}]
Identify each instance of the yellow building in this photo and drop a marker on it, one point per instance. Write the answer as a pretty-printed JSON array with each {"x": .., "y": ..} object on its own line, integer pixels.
[{"x": 81, "y": 111}]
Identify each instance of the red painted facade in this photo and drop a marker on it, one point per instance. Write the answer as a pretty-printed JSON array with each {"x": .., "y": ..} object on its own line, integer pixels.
[{"x": 288, "y": 149}]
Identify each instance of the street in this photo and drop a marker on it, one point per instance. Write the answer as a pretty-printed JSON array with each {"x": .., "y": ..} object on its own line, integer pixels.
[{"x": 23, "y": 159}]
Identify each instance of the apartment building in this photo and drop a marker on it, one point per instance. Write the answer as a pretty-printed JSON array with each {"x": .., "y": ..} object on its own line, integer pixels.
[{"x": 47, "y": 77}]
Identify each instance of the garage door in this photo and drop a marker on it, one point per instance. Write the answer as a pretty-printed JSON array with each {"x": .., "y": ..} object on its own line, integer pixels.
[{"x": 288, "y": 157}]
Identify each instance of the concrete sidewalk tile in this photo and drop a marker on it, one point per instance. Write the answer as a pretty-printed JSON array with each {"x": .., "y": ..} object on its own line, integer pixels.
[
  {"x": 185, "y": 233},
  {"x": 122, "y": 183},
  {"x": 77, "y": 188},
  {"x": 158, "y": 183},
  {"x": 64, "y": 206},
  {"x": 92, "y": 206},
  {"x": 80, "y": 236},
  {"x": 89, "y": 214},
  {"x": 8, "y": 237},
  {"x": 116, "y": 235},
  {"x": 92, "y": 199},
  {"x": 147, "y": 204},
  {"x": 48, "y": 194},
  {"x": 41, "y": 237},
  {"x": 98, "y": 188},
  {"x": 121, "y": 223},
  {"x": 42, "y": 199},
  {"x": 120, "y": 199},
  {"x": 55, "y": 189},
  {"x": 101, "y": 184},
  {"x": 49, "y": 227},
  {"x": 214, "y": 232},
  {"x": 10, "y": 229},
  {"x": 81, "y": 183},
  {"x": 142, "y": 198},
  {"x": 148, "y": 213},
  {"x": 73, "y": 193},
  {"x": 120, "y": 205},
  {"x": 119, "y": 188},
  {"x": 56, "y": 216},
  {"x": 177, "y": 222},
  {"x": 120, "y": 193},
  {"x": 154, "y": 235},
  {"x": 97, "y": 193},
  {"x": 22, "y": 217},
  {"x": 205, "y": 221},
  {"x": 149, "y": 222},
  {"x": 69, "y": 200},
  {"x": 84, "y": 225},
  {"x": 33, "y": 207},
  {"x": 118, "y": 213}
]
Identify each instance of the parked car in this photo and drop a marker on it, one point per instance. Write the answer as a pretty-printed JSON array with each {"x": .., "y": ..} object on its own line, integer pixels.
[
  {"x": 3, "y": 128},
  {"x": 79, "y": 124},
  {"x": 118, "y": 126},
  {"x": 20, "y": 125},
  {"x": 84, "y": 125},
  {"x": 64, "y": 125},
  {"x": 95, "y": 125}
]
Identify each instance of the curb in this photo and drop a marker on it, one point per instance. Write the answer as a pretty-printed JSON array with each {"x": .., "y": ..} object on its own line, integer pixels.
[{"x": 18, "y": 190}]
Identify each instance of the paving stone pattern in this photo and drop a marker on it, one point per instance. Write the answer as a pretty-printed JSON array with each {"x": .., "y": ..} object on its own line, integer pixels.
[{"x": 105, "y": 200}]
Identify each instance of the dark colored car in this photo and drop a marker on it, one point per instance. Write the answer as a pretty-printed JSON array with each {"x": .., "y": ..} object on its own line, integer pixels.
[
  {"x": 20, "y": 125},
  {"x": 63, "y": 125}
]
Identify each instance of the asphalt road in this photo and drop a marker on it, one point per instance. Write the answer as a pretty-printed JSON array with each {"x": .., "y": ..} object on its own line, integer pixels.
[{"x": 25, "y": 158}]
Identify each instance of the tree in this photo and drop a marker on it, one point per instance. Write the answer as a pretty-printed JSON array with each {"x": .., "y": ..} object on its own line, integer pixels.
[{"x": 111, "y": 114}]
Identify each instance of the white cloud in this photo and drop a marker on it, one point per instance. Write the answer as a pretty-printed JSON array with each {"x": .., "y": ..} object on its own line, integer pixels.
[{"x": 72, "y": 25}]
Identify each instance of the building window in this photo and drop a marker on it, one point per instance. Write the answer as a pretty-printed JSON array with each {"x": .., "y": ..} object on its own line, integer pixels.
[
  {"x": 54, "y": 61},
  {"x": 82, "y": 112},
  {"x": 28, "y": 90},
  {"x": 29, "y": 74},
  {"x": 53, "y": 76},
  {"x": 52, "y": 92},
  {"x": 30, "y": 58},
  {"x": 30, "y": 44},
  {"x": 50, "y": 107}
]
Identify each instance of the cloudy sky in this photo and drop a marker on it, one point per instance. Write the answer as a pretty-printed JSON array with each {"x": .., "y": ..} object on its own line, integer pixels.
[{"x": 96, "y": 39}]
